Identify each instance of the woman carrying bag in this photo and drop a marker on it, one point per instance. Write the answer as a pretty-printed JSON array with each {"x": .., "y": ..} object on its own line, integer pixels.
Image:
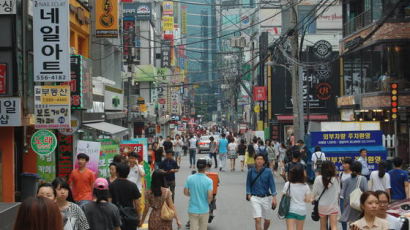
[
  {"x": 326, "y": 190},
  {"x": 160, "y": 201}
]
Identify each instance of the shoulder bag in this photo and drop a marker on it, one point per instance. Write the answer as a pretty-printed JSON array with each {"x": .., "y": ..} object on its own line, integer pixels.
[
  {"x": 284, "y": 204},
  {"x": 254, "y": 181},
  {"x": 315, "y": 212},
  {"x": 355, "y": 196},
  {"x": 129, "y": 216},
  {"x": 167, "y": 213}
]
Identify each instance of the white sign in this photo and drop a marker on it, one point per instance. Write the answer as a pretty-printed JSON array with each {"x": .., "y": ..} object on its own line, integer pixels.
[
  {"x": 92, "y": 149},
  {"x": 332, "y": 18},
  {"x": 51, "y": 41},
  {"x": 10, "y": 111},
  {"x": 75, "y": 125},
  {"x": 7, "y": 6},
  {"x": 113, "y": 98}
]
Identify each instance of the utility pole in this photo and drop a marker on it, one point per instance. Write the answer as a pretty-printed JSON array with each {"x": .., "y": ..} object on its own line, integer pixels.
[{"x": 297, "y": 83}]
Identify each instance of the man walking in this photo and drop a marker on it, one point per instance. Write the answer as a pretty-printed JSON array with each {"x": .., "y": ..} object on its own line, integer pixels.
[
  {"x": 213, "y": 150},
  {"x": 399, "y": 181},
  {"x": 178, "y": 148},
  {"x": 223, "y": 151},
  {"x": 168, "y": 144},
  {"x": 193, "y": 142},
  {"x": 363, "y": 160},
  {"x": 81, "y": 180},
  {"x": 169, "y": 166},
  {"x": 125, "y": 195},
  {"x": 199, "y": 188},
  {"x": 261, "y": 192}
]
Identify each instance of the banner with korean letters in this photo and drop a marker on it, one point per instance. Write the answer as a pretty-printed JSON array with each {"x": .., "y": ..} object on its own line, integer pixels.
[
  {"x": 10, "y": 111},
  {"x": 7, "y": 6},
  {"x": 52, "y": 107},
  {"x": 51, "y": 41}
]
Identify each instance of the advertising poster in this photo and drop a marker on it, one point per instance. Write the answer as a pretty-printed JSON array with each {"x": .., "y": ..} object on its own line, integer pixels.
[
  {"x": 139, "y": 145},
  {"x": 106, "y": 18},
  {"x": 51, "y": 41},
  {"x": 92, "y": 149},
  {"x": 46, "y": 167},
  {"x": 108, "y": 150}
]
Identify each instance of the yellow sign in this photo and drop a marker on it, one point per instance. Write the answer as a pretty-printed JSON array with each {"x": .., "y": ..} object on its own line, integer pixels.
[
  {"x": 183, "y": 21},
  {"x": 54, "y": 95},
  {"x": 167, "y": 23},
  {"x": 259, "y": 126},
  {"x": 106, "y": 12},
  {"x": 167, "y": 8},
  {"x": 143, "y": 108},
  {"x": 257, "y": 109}
]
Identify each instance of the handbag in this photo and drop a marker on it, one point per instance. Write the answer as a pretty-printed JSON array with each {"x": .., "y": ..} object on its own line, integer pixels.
[
  {"x": 129, "y": 216},
  {"x": 167, "y": 213},
  {"x": 284, "y": 204},
  {"x": 315, "y": 212},
  {"x": 355, "y": 196}
]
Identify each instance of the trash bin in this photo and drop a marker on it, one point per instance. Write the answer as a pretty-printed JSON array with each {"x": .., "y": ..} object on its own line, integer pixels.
[{"x": 29, "y": 184}]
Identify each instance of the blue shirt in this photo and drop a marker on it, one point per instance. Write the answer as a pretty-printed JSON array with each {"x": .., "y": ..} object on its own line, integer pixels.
[
  {"x": 198, "y": 185},
  {"x": 365, "y": 166},
  {"x": 264, "y": 185},
  {"x": 397, "y": 179},
  {"x": 167, "y": 165},
  {"x": 223, "y": 145}
]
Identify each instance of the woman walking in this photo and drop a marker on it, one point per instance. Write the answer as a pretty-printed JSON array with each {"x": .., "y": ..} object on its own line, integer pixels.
[
  {"x": 369, "y": 203},
  {"x": 344, "y": 175},
  {"x": 241, "y": 153},
  {"x": 249, "y": 156},
  {"x": 213, "y": 150},
  {"x": 300, "y": 195},
  {"x": 73, "y": 215},
  {"x": 232, "y": 152},
  {"x": 156, "y": 198},
  {"x": 113, "y": 173},
  {"x": 326, "y": 189},
  {"x": 271, "y": 154},
  {"x": 355, "y": 181},
  {"x": 379, "y": 179}
]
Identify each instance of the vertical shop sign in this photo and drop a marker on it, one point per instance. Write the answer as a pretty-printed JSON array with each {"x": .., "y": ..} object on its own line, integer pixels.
[
  {"x": 259, "y": 93},
  {"x": 81, "y": 83},
  {"x": 184, "y": 20},
  {"x": 46, "y": 167},
  {"x": 108, "y": 150},
  {"x": 128, "y": 37},
  {"x": 3, "y": 79},
  {"x": 92, "y": 149},
  {"x": 167, "y": 8},
  {"x": 106, "y": 18},
  {"x": 10, "y": 111},
  {"x": 7, "y": 7},
  {"x": 51, "y": 41},
  {"x": 52, "y": 107},
  {"x": 65, "y": 155}
]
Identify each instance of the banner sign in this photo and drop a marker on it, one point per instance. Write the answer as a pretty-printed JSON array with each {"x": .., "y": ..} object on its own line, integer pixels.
[
  {"x": 167, "y": 8},
  {"x": 167, "y": 23},
  {"x": 143, "y": 11},
  {"x": 51, "y": 41},
  {"x": 65, "y": 155},
  {"x": 259, "y": 93},
  {"x": 373, "y": 158},
  {"x": 183, "y": 20},
  {"x": 106, "y": 18},
  {"x": 128, "y": 37},
  {"x": 92, "y": 149},
  {"x": 46, "y": 167},
  {"x": 346, "y": 138},
  {"x": 10, "y": 111},
  {"x": 81, "y": 83},
  {"x": 108, "y": 150},
  {"x": 52, "y": 107},
  {"x": 7, "y": 7},
  {"x": 3, "y": 79},
  {"x": 43, "y": 142},
  {"x": 129, "y": 10},
  {"x": 138, "y": 145}
]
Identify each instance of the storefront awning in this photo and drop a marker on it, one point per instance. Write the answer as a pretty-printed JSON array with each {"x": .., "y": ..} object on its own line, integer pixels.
[
  {"x": 313, "y": 117},
  {"x": 145, "y": 73},
  {"x": 107, "y": 127}
]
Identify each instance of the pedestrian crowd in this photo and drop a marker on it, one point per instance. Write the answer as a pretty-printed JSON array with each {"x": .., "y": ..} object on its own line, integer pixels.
[{"x": 355, "y": 197}]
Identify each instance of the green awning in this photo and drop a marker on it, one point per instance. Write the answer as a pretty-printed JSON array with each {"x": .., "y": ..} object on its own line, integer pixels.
[
  {"x": 145, "y": 73},
  {"x": 164, "y": 74}
]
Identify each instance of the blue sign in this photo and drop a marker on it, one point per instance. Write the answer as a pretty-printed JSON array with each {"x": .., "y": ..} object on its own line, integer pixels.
[{"x": 346, "y": 138}]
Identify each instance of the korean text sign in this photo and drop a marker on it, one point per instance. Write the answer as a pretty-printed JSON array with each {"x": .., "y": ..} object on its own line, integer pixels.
[
  {"x": 259, "y": 93},
  {"x": 92, "y": 149},
  {"x": 81, "y": 83},
  {"x": 52, "y": 107},
  {"x": 108, "y": 150},
  {"x": 3, "y": 79},
  {"x": 346, "y": 138},
  {"x": 51, "y": 41},
  {"x": 106, "y": 12},
  {"x": 7, "y": 6},
  {"x": 10, "y": 111}
]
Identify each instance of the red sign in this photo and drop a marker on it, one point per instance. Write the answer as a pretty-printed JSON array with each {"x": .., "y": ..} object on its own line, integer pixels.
[
  {"x": 125, "y": 149},
  {"x": 323, "y": 91},
  {"x": 259, "y": 93},
  {"x": 162, "y": 101},
  {"x": 65, "y": 155},
  {"x": 3, "y": 75}
]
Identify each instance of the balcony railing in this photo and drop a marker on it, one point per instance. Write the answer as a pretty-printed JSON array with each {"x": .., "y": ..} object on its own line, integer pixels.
[{"x": 357, "y": 22}]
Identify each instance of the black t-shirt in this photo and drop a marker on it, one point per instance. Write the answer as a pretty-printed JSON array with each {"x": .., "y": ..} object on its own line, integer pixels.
[
  {"x": 102, "y": 216},
  {"x": 241, "y": 149},
  {"x": 123, "y": 192},
  {"x": 292, "y": 164},
  {"x": 158, "y": 156},
  {"x": 167, "y": 145},
  {"x": 167, "y": 165}
]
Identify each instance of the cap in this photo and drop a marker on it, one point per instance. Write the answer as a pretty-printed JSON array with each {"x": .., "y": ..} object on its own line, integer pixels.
[{"x": 101, "y": 184}]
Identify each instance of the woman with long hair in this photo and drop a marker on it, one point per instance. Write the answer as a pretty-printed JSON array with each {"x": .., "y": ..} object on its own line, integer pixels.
[
  {"x": 369, "y": 203},
  {"x": 344, "y": 175},
  {"x": 232, "y": 152},
  {"x": 73, "y": 215},
  {"x": 327, "y": 187},
  {"x": 156, "y": 197},
  {"x": 356, "y": 180},
  {"x": 38, "y": 213},
  {"x": 380, "y": 179},
  {"x": 249, "y": 156},
  {"x": 300, "y": 195},
  {"x": 271, "y": 153}
]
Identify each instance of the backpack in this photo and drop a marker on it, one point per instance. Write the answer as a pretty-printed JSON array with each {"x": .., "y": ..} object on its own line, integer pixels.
[
  {"x": 263, "y": 151},
  {"x": 319, "y": 161}
]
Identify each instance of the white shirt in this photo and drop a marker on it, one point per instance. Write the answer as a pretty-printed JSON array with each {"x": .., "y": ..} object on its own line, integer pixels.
[
  {"x": 192, "y": 143},
  {"x": 377, "y": 183},
  {"x": 297, "y": 193},
  {"x": 135, "y": 177},
  {"x": 316, "y": 156},
  {"x": 329, "y": 202},
  {"x": 232, "y": 146},
  {"x": 345, "y": 176},
  {"x": 394, "y": 223},
  {"x": 178, "y": 145}
]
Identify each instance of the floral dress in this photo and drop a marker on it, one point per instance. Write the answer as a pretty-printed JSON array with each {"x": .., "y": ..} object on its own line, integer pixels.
[{"x": 155, "y": 202}]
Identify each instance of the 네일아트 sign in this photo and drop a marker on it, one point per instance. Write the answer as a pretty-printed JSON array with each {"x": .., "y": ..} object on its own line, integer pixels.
[
  {"x": 10, "y": 111},
  {"x": 51, "y": 41}
]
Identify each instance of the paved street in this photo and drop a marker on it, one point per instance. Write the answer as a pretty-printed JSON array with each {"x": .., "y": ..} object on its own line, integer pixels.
[{"x": 233, "y": 211}]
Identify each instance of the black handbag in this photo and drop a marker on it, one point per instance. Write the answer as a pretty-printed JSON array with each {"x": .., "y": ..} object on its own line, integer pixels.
[
  {"x": 284, "y": 204},
  {"x": 315, "y": 212},
  {"x": 129, "y": 216}
]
